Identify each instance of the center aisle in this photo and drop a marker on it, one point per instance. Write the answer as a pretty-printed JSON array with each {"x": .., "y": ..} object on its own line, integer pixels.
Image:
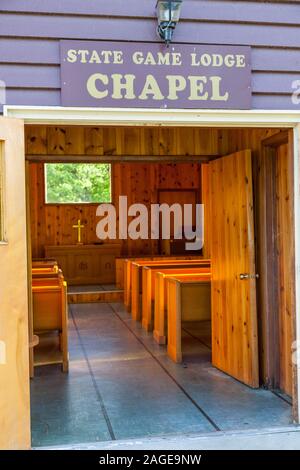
[{"x": 122, "y": 385}]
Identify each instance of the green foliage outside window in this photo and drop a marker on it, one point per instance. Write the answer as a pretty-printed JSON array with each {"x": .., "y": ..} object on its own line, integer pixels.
[{"x": 77, "y": 183}]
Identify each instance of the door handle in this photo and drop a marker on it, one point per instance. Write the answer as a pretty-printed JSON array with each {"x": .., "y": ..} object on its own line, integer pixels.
[{"x": 244, "y": 276}]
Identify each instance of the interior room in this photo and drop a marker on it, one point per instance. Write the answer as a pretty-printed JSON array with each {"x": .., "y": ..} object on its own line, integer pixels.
[{"x": 155, "y": 339}]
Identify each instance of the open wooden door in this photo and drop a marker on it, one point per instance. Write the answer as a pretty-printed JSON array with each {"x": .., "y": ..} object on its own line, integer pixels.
[
  {"x": 14, "y": 352},
  {"x": 234, "y": 316}
]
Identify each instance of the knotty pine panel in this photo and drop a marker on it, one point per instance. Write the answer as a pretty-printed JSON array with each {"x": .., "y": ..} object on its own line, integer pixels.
[{"x": 52, "y": 224}]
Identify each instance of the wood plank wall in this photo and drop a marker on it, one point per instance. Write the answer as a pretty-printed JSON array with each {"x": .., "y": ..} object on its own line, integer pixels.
[{"x": 52, "y": 224}]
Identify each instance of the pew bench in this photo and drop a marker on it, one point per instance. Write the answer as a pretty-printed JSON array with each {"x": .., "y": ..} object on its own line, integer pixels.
[
  {"x": 136, "y": 278},
  {"x": 148, "y": 287},
  {"x": 46, "y": 263},
  {"x": 45, "y": 272},
  {"x": 125, "y": 264},
  {"x": 188, "y": 299},
  {"x": 160, "y": 330},
  {"x": 121, "y": 263},
  {"x": 49, "y": 296}
]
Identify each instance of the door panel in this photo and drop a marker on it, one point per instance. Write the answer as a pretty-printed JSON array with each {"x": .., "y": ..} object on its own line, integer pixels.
[
  {"x": 14, "y": 357},
  {"x": 234, "y": 316}
]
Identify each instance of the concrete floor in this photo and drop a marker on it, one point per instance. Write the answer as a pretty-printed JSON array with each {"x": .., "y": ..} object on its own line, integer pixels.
[
  {"x": 122, "y": 385},
  {"x": 268, "y": 439}
]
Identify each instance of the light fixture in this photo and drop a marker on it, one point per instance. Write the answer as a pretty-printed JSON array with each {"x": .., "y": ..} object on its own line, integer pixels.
[{"x": 168, "y": 14}]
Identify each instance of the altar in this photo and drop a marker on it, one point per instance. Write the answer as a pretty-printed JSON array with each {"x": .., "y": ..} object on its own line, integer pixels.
[{"x": 86, "y": 264}]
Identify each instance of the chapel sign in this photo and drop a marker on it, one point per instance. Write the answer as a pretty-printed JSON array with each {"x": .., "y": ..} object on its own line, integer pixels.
[{"x": 111, "y": 74}]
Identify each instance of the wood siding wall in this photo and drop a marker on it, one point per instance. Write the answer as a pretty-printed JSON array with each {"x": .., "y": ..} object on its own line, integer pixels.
[
  {"x": 30, "y": 32},
  {"x": 52, "y": 224}
]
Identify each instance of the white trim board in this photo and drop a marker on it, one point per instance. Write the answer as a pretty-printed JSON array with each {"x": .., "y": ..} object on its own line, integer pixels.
[
  {"x": 182, "y": 117},
  {"x": 152, "y": 117}
]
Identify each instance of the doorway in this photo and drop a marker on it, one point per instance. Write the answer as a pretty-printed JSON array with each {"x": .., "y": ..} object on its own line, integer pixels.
[{"x": 133, "y": 144}]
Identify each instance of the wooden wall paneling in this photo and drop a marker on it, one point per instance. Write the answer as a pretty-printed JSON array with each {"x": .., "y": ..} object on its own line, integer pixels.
[
  {"x": 295, "y": 365},
  {"x": 56, "y": 140},
  {"x": 36, "y": 140},
  {"x": 185, "y": 137},
  {"x": 285, "y": 264},
  {"x": 140, "y": 181},
  {"x": 206, "y": 141},
  {"x": 167, "y": 141},
  {"x": 205, "y": 200},
  {"x": 93, "y": 141},
  {"x": 131, "y": 141},
  {"x": 109, "y": 141},
  {"x": 150, "y": 141},
  {"x": 75, "y": 141},
  {"x": 267, "y": 294},
  {"x": 275, "y": 241}
]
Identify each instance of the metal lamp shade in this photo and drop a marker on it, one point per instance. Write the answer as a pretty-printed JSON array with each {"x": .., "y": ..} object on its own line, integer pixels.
[{"x": 168, "y": 11}]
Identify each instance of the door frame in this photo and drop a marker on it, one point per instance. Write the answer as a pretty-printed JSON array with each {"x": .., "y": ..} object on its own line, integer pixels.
[{"x": 56, "y": 115}]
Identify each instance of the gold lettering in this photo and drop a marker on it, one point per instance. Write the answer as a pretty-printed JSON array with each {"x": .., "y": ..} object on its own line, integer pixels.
[
  {"x": 176, "y": 56},
  {"x": 206, "y": 60},
  {"x": 229, "y": 60},
  {"x": 163, "y": 59},
  {"x": 176, "y": 83},
  {"x": 118, "y": 57},
  {"x": 217, "y": 60},
  {"x": 118, "y": 86},
  {"x": 95, "y": 58},
  {"x": 137, "y": 58},
  {"x": 195, "y": 63},
  {"x": 197, "y": 88},
  {"x": 240, "y": 61},
  {"x": 149, "y": 59},
  {"x": 216, "y": 92},
  {"x": 106, "y": 56},
  {"x": 92, "y": 88},
  {"x": 83, "y": 55},
  {"x": 151, "y": 88},
  {"x": 72, "y": 55}
]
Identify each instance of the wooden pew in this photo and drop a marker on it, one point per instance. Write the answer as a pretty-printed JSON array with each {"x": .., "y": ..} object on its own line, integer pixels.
[
  {"x": 189, "y": 299},
  {"x": 136, "y": 278},
  {"x": 148, "y": 287},
  {"x": 52, "y": 271},
  {"x": 46, "y": 263},
  {"x": 50, "y": 315},
  {"x": 160, "y": 301},
  {"x": 125, "y": 264}
]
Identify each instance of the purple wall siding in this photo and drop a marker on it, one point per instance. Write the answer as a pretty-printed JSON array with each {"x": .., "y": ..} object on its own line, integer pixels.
[
  {"x": 29, "y": 43},
  {"x": 204, "y": 10}
]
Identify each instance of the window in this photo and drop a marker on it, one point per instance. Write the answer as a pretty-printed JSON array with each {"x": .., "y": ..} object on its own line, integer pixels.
[{"x": 81, "y": 183}]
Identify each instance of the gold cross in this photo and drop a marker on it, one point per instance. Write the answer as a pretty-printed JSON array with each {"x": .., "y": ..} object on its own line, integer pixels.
[{"x": 79, "y": 228}]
